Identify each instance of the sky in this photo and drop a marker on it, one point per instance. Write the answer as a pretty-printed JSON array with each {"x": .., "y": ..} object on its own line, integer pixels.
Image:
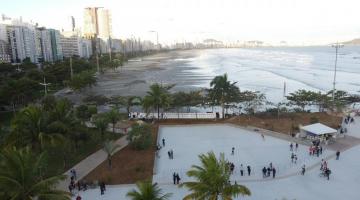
[{"x": 294, "y": 21}]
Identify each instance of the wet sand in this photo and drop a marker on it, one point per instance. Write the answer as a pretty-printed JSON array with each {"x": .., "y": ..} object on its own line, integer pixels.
[{"x": 135, "y": 77}]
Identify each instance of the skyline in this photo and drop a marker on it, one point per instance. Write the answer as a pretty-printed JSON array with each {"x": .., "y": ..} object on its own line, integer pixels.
[{"x": 296, "y": 22}]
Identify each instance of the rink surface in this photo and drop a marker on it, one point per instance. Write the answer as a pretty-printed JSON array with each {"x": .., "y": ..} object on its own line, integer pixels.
[{"x": 250, "y": 149}]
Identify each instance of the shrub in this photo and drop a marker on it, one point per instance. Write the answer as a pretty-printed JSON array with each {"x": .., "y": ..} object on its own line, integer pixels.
[{"x": 140, "y": 136}]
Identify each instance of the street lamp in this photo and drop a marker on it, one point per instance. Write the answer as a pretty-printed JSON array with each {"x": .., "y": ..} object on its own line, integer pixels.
[
  {"x": 336, "y": 46},
  {"x": 45, "y": 85}
]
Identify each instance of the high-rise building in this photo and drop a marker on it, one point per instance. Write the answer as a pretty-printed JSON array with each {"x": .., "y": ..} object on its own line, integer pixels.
[
  {"x": 22, "y": 43},
  {"x": 97, "y": 26},
  {"x": 4, "y": 45},
  {"x": 74, "y": 45},
  {"x": 56, "y": 44},
  {"x": 43, "y": 45}
]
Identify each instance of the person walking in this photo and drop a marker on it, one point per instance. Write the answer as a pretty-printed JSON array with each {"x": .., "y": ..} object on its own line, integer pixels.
[
  {"x": 249, "y": 170},
  {"x": 303, "y": 170},
  {"x": 291, "y": 146},
  {"x": 337, "y": 155},
  {"x": 296, "y": 146},
  {"x": 292, "y": 157},
  {"x": 264, "y": 172},
  {"x": 163, "y": 142},
  {"x": 241, "y": 170},
  {"x": 169, "y": 154},
  {"x": 274, "y": 172},
  {"x": 177, "y": 179},
  {"x": 232, "y": 151},
  {"x": 102, "y": 190},
  {"x": 321, "y": 150},
  {"x": 174, "y": 178},
  {"x": 295, "y": 158},
  {"x": 268, "y": 172}
]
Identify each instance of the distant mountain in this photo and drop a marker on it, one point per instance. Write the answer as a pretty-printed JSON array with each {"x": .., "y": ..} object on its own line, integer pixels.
[{"x": 353, "y": 42}]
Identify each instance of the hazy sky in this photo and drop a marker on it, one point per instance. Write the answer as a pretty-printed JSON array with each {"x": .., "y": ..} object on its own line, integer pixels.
[{"x": 294, "y": 21}]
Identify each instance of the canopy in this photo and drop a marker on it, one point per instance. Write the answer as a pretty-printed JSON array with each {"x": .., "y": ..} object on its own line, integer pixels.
[{"x": 318, "y": 129}]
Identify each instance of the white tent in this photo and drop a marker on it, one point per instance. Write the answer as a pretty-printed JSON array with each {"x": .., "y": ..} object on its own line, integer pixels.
[{"x": 317, "y": 129}]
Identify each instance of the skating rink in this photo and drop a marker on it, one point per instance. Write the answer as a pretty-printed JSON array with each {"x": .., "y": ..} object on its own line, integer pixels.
[{"x": 188, "y": 142}]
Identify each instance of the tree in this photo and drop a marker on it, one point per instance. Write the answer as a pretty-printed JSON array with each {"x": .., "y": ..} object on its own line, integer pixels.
[
  {"x": 21, "y": 177},
  {"x": 302, "y": 98},
  {"x": 110, "y": 147},
  {"x": 140, "y": 136},
  {"x": 252, "y": 100},
  {"x": 29, "y": 128},
  {"x": 221, "y": 91},
  {"x": 147, "y": 191},
  {"x": 212, "y": 180},
  {"x": 82, "y": 112},
  {"x": 158, "y": 97},
  {"x": 82, "y": 80},
  {"x": 101, "y": 123},
  {"x": 113, "y": 116}
]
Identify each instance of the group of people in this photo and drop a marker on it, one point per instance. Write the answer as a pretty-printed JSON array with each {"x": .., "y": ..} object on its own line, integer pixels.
[
  {"x": 266, "y": 172},
  {"x": 325, "y": 171},
  {"x": 171, "y": 154},
  {"x": 292, "y": 146},
  {"x": 72, "y": 185},
  {"x": 176, "y": 178},
  {"x": 315, "y": 150},
  {"x": 242, "y": 170}
]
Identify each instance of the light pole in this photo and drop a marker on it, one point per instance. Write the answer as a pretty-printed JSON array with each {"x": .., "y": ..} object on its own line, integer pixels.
[
  {"x": 336, "y": 46},
  {"x": 45, "y": 85}
]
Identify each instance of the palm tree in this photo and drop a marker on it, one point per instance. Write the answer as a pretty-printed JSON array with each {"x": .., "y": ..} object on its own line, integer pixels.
[
  {"x": 147, "y": 191},
  {"x": 158, "y": 97},
  {"x": 30, "y": 127},
  {"x": 221, "y": 90},
  {"x": 212, "y": 180},
  {"x": 110, "y": 147},
  {"x": 21, "y": 179},
  {"x": 113, "y": 116},
  {"x": 101, "y": 123}
]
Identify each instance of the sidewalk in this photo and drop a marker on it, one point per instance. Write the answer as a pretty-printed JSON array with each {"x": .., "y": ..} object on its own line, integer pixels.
[{"x": 90, "y": 163}]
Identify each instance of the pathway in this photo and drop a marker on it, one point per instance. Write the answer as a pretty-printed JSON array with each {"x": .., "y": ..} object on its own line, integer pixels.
[{"x": 90, "y": 163}]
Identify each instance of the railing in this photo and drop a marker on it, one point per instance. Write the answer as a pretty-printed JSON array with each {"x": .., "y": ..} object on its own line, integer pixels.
[{"x": 175, "y": 115}]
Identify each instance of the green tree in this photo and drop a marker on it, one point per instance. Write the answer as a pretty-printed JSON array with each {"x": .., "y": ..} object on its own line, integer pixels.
[
  {"x": 222, "y": 91},
  {"x": 302, "y": 98},
  {"x": 101, "y": 123},
  {"x": 140, "y": 136},
  {"x": 82, "y": 112},
  {"x": 113, "y": 116},
  {"x": 21, "y": 177},
  {"x": 212, "y": 180},
  {"x": 82, "y": 80},
  {"x": 158, "y": 97},
  {"x": 147, "y": 191},
  {"x": 110, "y": 147}
]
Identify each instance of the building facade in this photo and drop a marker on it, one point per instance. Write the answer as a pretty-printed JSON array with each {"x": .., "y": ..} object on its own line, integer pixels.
[
  {"x": 56, "y": 44},
  {"x": 74, "y": 45}
]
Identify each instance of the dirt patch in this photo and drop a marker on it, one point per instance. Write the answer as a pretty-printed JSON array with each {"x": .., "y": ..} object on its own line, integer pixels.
[{"x": 130, "y": 166}]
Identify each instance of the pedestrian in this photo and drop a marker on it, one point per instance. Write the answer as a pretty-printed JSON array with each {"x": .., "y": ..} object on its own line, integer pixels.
[
  {"x": 169, "y": 154},
  {"x": 241, "y": 170},
  {"x": 351, "y": 120},
  {"x": 78, "y": 197},
  {"x": 295, "y": 158},
  {"x": 303, "y": 170},
  {"x": 177, "y": 179},
  {"x": 274, "y": 172},
  {"x": 310, "y": 150},
  {"x": 163, "y": 142},
  {"x": 249, "y": 170},
  {"x": 264, "y": 172},
  {"x": 270, "y": 165},
  {"x": 232, "y": 151},
  {"x": 174, "y": 178},
  {"x": 292, "y": 157},
  {"x": 291, "y": 146},
  {"x": 322, "y": 164},
  {"x": 70, "y": 188},
  {"x": 102, "y": 190},
  {"x": 337, "y": 155},
  {"x": 327, "y": 173},
  {"x": 321, "y": 150},
  {"x": 317, "y": 151},
  {"x": 268, "y": 172},
  {"x": 263, "y": 137},
  {"x": 232, "y": 167},
  {"x": 296, "y": 146}
]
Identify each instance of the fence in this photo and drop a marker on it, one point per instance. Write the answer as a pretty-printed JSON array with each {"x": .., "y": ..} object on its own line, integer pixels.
[{"x": 176, "y": 115}]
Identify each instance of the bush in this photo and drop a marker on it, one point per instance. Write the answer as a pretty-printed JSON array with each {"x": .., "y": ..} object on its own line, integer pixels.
[{"x": 140, "y": 136}]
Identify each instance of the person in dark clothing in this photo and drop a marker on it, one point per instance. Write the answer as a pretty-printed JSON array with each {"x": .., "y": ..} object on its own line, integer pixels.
[
  {"x": 249, "y": 170},
  {"x": 296, "y": 146},
  {"x": 174, "y": 178},
  {"x": 177, "y": 179},
  {"x": 303, "y": 170},
  {"x": 169, "y": 154},
  {"x": 163, "y": 142},
  {"x": 264, "y": 172},
  {"x": 321, "y": 149},
  {"x": 241, "y": 170},
  {"x": 102, "y": 188},
  {"x": 268, "y": 172},
  {"x": 274, "y": 172},
  {"x": 327, "y": 173},
  {"x": 337, "y": 155},
  {"x": 291, "y": 146},
  {"x": 232, "y": 151}
]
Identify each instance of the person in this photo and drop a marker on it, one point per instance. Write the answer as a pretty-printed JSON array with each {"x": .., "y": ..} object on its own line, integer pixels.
[
  {"x": 268, "y": 172},
  {"x": 232, "y": 167},
  {"x": 78, "y": 197},
  {"x": 327, "y": 173},
  {"x": 264, "y": 172},
  {"x": 274, "y": 172},
  {"x": 169, "y": 154},
  {"x": 337, "y": 155},
  {"x": 177, "y": 178},
  {"x": 263, "y": 137},
  {"x": 102, "y": 188},
  {"x": 249, "y": 170},
  {"x": 174, "y": 178},
  {"x": 163, "y": 142},
  {"x": 295, "y": 158},
  {"x": 292, "y": 157},
  {"x": 70, "y": 188},
  {"x": 321, "y": 150},
  {"x": 291, "y": 146},
  {"x": 232, "y": 151},
  {"x": 270, "y": 165},
  {"x": 296, "y": 146},
  {"x": 322, "y": 164},
  {"x": 303, "y": 170},
  {"x": 310, "y": 150},
  {"x": 241, "y": 170}
]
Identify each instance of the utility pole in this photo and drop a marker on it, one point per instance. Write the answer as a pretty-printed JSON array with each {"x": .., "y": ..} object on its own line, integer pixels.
[
  {"x": 336, "y": 46},
  {"x": 97, "y": 62},
  {"x": 71, "y": 68},
  {"x": 45, "y": 85},
  {"x": 110, "y": 48}
]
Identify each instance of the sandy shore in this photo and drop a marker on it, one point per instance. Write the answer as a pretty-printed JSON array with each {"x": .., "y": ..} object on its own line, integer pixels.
[{"x": 135, "y": 77}]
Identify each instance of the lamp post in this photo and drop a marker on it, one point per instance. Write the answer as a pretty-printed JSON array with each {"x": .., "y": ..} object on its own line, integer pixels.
[
  {"x": 45, "y": 85},
  {"x": 336, "y": 46}
]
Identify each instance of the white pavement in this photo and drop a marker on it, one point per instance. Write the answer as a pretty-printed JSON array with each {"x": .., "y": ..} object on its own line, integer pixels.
[{"x": 90, "y": 163}]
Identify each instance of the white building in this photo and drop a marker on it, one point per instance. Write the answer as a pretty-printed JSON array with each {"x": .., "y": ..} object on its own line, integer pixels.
[
  {"x": 43, "y": 45},
  {"x": 22, "y": 43},
  {"x": 4, "y": 45},
  {"x": 74, "y": 45}
]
